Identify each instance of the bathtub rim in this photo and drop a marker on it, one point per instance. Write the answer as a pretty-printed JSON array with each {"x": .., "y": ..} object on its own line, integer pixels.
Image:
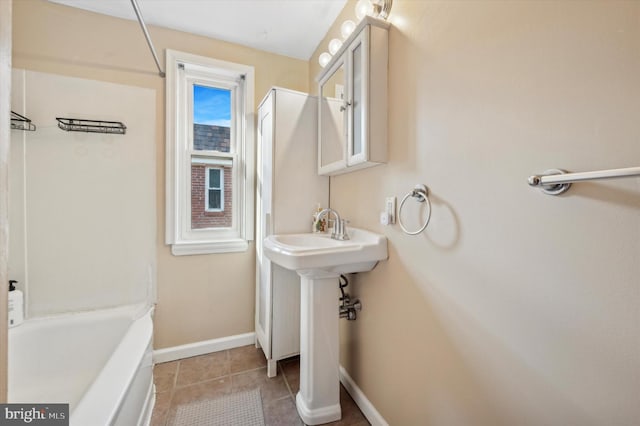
[
  {"x": 111, "y": 393},
  {"x": 133, "y": 311}
]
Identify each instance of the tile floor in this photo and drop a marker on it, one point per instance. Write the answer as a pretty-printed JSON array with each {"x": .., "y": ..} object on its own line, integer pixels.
[{"x": 236, "y": 370}]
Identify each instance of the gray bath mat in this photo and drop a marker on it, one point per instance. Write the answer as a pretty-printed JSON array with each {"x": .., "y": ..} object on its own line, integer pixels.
[{"x": 236, "y": 409}]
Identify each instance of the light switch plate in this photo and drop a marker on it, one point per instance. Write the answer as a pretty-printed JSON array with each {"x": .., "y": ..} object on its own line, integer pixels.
[{"x": 390, "y": 209}]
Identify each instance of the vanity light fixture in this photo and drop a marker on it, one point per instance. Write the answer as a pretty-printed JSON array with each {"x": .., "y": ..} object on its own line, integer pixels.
[
  {"x": 375, "y": 8},
  {"x": 381, "y": 8},
  {"x": 363, "y": 8},
  {"x": 347, "y": 28},
  {"x": 324, "y": 59},
  {"x": 334, "y": 46}
]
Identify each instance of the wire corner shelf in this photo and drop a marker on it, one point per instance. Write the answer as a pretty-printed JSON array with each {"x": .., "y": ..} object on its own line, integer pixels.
[
  {"x": 91, "y": 126},
  {"x": 20, "y": 122}
]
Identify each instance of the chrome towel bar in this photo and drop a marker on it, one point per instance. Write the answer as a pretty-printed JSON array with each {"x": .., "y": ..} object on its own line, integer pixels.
[{"x": 557, "y": 181}]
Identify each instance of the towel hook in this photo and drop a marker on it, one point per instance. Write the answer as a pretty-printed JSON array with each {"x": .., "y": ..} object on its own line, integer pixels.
[{"x": 421, "y": 194}]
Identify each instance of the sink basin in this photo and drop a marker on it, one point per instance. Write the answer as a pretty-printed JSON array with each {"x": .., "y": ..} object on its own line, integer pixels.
[
  {"x": 316, "y": 251},
  {"x": 319, "y": 260}
]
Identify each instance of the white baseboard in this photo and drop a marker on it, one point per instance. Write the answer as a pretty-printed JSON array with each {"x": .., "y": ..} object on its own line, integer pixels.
[
  {"x": 367, "y": 408},
  {"x": 203, "y": 347}
]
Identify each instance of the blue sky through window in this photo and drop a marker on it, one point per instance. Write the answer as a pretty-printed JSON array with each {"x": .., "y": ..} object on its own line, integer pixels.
[{"x": 212, "y": 106}]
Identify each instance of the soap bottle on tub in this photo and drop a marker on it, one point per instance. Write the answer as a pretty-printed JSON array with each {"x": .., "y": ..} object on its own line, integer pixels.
[{"x": 16, "y": 303}]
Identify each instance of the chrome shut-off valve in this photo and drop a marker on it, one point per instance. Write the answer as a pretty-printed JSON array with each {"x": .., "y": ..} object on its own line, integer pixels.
[{"x": 348, "y": 309}]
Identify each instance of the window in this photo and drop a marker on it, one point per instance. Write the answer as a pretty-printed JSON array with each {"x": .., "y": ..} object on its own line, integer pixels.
[
  {"x": 209, "y": 155},
  {"x": 214, "y": 191}
]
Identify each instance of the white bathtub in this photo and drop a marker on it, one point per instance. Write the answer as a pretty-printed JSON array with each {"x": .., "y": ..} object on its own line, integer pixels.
[{"x": 99, "y": 362}]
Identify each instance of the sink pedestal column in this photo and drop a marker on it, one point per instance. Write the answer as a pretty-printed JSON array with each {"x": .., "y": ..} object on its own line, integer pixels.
[{"x": 318, "y": 400}]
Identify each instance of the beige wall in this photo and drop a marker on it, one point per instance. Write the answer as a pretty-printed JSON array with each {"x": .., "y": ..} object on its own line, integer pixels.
[
  {"x": 199, "y": 297},
  {"x": 514, "y": 307}
]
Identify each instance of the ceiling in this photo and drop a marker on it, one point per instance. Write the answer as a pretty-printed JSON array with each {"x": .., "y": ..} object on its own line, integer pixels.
[{"x": 287, "y": 27}]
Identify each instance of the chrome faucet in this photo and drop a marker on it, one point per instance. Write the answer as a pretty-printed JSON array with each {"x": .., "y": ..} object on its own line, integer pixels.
[{"x": 339, "y": 227}]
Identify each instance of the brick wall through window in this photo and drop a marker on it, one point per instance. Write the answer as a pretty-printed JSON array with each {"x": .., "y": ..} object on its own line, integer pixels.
[
  {"x": 200, "y": 218},
  {"x": 210, "y": 138}
]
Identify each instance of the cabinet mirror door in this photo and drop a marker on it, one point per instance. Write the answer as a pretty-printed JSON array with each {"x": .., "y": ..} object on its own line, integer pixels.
[
  {"x": 358, "y": 100},
  {"x": 332, "y": 120}
]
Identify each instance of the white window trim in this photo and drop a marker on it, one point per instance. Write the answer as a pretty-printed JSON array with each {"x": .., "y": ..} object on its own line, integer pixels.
[
  {"x": 207, "y": 188},
  {"x": 178, "y": 232}
]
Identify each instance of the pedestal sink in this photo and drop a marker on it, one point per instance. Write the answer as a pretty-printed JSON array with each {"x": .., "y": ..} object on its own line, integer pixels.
[{"x": 319, "y": 260}]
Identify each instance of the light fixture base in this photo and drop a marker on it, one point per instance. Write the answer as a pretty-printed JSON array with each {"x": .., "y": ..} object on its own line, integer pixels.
[{"x": 381, "y": 8}]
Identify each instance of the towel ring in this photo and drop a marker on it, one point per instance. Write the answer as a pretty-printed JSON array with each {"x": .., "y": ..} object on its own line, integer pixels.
[{"x": 421, "y": 193}]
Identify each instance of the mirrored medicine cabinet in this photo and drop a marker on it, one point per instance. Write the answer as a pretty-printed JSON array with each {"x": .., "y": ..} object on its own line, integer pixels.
[{"x": 352, "y": 110}]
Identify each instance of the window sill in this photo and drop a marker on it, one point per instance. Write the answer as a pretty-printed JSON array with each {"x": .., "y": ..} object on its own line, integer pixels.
[{"x": 209, "y": 247}]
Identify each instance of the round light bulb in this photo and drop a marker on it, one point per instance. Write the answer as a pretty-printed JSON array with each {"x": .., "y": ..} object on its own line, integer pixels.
[
  {"x": 363, "y": 7},
  {"x": 347, "y": 28},
  {"x": 334, "y": 46},
  {"x": 324, "y": 59}
]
